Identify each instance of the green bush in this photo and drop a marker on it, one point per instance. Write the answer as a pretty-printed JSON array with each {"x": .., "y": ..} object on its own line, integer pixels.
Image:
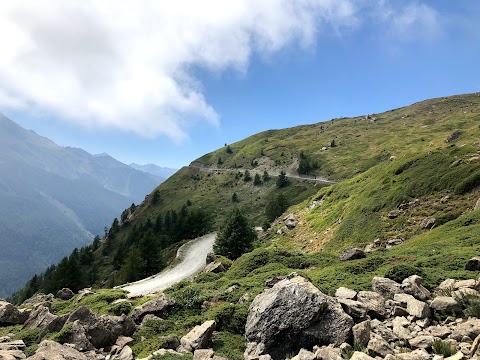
[
  {"x": 121, "y": 308},
  {"x": 443, "y": 348}
]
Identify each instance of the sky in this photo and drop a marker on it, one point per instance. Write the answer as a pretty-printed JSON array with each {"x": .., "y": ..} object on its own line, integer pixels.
[{"x": 165, "y": 82}]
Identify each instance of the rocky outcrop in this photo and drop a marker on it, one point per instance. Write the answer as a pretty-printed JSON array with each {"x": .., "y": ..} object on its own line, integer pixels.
[
  {"x": 51, "y": 350},
  {"x": 159, "y": 306},
  {"x": 386, "y": 287},
  {"x": 291, "y": 315},
  {"x": 65, "y": 294},
  {"x": 351, "y": 253}
]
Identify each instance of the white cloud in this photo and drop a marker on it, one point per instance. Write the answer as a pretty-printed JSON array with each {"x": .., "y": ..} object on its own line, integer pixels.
[{"x": 127, "y": 64}]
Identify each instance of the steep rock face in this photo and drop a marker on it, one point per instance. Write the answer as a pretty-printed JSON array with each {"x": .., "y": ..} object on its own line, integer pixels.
[{"x": 294, "y": 314}]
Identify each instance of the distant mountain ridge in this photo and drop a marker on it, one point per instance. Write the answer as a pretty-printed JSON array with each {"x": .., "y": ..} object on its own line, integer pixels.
[
  {"x": 54, "y": 198},
  {"x": 153, "y": 169}
]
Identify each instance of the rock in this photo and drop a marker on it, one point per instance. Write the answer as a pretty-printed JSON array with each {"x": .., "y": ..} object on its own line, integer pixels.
[
  {"x": 147, "y": 318},
  {"x": 458, "y": 356},
  {"x": 473, "y": 264},
  {"x": 455, "y": 163},
  {"x": 203, "y": 354},
  {"x": 439, "y": 331},
  {"x": 357, "y": 355},
  {"x": 475, "y": 345},
  {"x": 12, "y": 355},
  {"x": 79, "y": 337},
  {"x": 413, "y": 286},
  {"x": 374, "y": 303},
  {"x": 215, "y": 267},
  {"x": 421, "y": 342},
  {"x": 211, "y": 257},
  {"x": 355, "y": 309},
  {"x": 10, "y": 315},
  {"x": 401, "y": 328},
  {"x": 393, "y": 214},
  {"x": 12, "y": 345},
  {"x": 169, "y": 342},
  {"x": 453, "y": 136},
  {"x": 244, "y": 298},
  {"x": 446, "y": 304},
  {"x": 294, "y": 314},
  {"x": 470, "y": 328},
  {"x": 345, "y": 293},
  {"x": 39, "y": 298},
  {"x": 361, "y": 333},
  {"x": 477, "y": 205},
  {"x": 40, "y": 318},
  {"x": 65, "y": 294},
  {"x": 447, "y": 284},
  {"x": 351, "y": 253},
  {"x": 471, "y": 283},
  {"x": 378, "y": 346},
  {"x": 199, "y": 337},
  {"x": 394, "y": 242},
  {"x": 419, "y": 354},
  {"x": 159, "y": 306},
  {"x": 304, "y": 354},
  {"x": 290, "y": 221},
  {"x": 125, "y": 354},
  {"x": 386, "y": 287},
  {"x": 330, "y": 353},
  {"x": 415, "y": 307},
  {"x": 51, "y": 350},
  {"x": 428, "y": 223}
]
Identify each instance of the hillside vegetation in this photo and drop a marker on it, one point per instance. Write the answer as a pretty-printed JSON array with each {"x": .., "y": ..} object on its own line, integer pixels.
[{"x": 408, "y": 182}]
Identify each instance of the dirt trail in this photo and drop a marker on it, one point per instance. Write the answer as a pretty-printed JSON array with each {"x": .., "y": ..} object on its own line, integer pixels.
[{"x": 190, "y": 260}]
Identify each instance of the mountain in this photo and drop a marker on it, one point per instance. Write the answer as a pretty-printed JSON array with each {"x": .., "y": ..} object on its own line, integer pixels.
[
  {"x": 403, "y": 185},
  {"x": 53, "y": 199},
  {"x": 156, "y": 170}
]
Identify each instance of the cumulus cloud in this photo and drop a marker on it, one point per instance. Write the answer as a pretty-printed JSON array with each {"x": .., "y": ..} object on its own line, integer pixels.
[{"x": 128, "y": 64}]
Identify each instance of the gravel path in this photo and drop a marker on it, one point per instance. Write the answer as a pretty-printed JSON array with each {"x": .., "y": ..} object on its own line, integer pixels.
[{"x": 190, "y": 260}]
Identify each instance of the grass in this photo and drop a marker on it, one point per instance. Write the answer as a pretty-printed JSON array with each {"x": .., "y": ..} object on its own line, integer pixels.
[{"x": 443, "y": 348}]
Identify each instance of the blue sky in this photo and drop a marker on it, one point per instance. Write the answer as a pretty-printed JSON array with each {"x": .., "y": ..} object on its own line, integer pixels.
[{"x": 150, "y": 91}]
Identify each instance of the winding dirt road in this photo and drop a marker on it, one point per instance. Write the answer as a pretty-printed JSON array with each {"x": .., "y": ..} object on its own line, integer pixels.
[{"x": 190, "y": 260}]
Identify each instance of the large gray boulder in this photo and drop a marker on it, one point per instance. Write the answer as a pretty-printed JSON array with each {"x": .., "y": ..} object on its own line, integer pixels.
[
  {"x": 351, "y": 253},
  {"x": 413, "y": 286},
  {"x": 374, "y": 302},
  {"x": 291, "y": 315},
  {"x": 51, "y": 350},
  {"x": 40, "y": 318},
  {"x": 65, "y": 294},
  {"x": 10, "y": 315},
  {"x": 199, "y": 337},
  {"x": 386, "y": 287},
  {"x": 159, "y": 306}
]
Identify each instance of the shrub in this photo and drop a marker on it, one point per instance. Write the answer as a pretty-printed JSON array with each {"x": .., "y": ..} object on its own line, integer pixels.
[{"x": 443, "y": 348}]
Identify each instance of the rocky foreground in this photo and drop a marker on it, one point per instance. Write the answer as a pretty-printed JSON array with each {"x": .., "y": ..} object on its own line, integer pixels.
[{"x": 290, "y": 319}]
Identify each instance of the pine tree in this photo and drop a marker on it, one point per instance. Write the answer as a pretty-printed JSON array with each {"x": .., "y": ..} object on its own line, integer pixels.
[
  {"x": 236, "y": 235},
  {"x": 282, "y": 180}
]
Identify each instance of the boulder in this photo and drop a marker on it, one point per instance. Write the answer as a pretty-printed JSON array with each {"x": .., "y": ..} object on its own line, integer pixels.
[
  {"x": 38, "y": 299},
  {"x": 446, "y": 304},
  {"x": 377, "y": 346},
  {"x": 415, "y": 307},
  {"x": 65, "y": 294},
  {"x": 329, "y": 353},
  {"x": 469, "y": 328},
  {"x": 428, "y": 223},
  {"x": 125, "y": 354},
  {"x": 345, "y": 293},
  {"x": 477, "y": 205},
  {"x": 419, "y": 354},
  {"x": 393, "y": 214},
  {"x": 40, "y": 318},
  {"x": 355, "y": 309},
  {"x": 447, "y": 284},
  {"x": 473, "y": 264},
  {"x": 215, "y": 267},
  {"x": 159, "y": 306},
  {"x": 357, "y": 355},
  {"x": 12, "y": 355},
  {"x": 421, "y": 342},
  {"x": 199, "y": 337},
  {"x": 304, "y": 354},
  {"x": 79, "y": 337},
  {"x": 203, "y": 354},
  {"x": 291, "y": 315},
  {"x": 413, "y": 286},
  {"x": 51, "y": 350},
  {"x": 361, "y": 333},
  {"x": 10, "y": 315},
  {"x": 290, "y": 221},
  {"x": 386, "y": 287},
  {"x": 394, "y": 242},
  {"x": 401, "y": 328},
  {"x": 351, "y": 253},
  {"x": 211, "y": 257},
  {"x": 439, "y": 331},
  {"x": 169, "y": 342},
  {"x": 375, "y": 303}
]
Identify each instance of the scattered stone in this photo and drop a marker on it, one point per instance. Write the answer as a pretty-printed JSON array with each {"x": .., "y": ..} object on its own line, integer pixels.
[
  {"x": 294, "y": 314},
  {"x": 470, "y": 328},
  {"x": 51, "y": 350},
  {"x": 453, "y": 136},
  {"x": 10, "y": 315},
  {"x": 357, "y": 355},
  {"x": 37, "y": 299},
  {"x": 415, "y": 307},
  {"x": 375, "y": 303},
  {"x": 413, "y": 286},
  {"x": 393, "y": 214},
  {"x": 361, "y": 333},
  {"x": 456, "y": 163},
  {"x": 199, "y": 337},
  {"x": 12, "y": 355},
  {"x": 446, "y": 304},
  {"x": 330, "y": 353},
  {"x": 215, "y": 267},
  {"x": 477, "y": 205},
  {"x": 211, "y": 257},
  {"x": 40, "y": 318},
  {"x": 428, "y": 223},
  {"x": 203, "y": 354},
  {"x": 290, "y": 221},
  {"x": 244, "y": 298},
  {"x": 351, "y": 253},
  {"x": 65, "y": 294},
  {"x": 394, "y": 242},
  {"x": 401, "y": 328},
  {"x": 440, "y": 331},
  {"x": 345, "y": 293},
  {"x": 159, "y": 306},
  {"x": 474, "y": 263},
  {"x": 378, "y": 346},
  {"x": 304, "y": 354},
  {"x": 386, "y": 287},
  {"x": 421, "y": 342},
  {"x": 355, "y": 309}
]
